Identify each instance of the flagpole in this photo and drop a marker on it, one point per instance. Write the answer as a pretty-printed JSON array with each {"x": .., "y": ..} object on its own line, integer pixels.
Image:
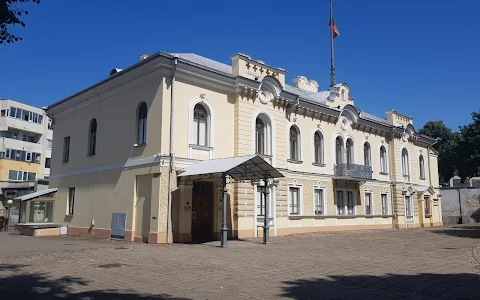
[{"x": 332, "y": 59}]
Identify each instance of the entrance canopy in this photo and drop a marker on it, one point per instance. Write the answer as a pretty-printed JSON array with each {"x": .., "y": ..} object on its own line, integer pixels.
[
  {"x": 251, "y": 167},
  {"x": 242, "y": 168}
]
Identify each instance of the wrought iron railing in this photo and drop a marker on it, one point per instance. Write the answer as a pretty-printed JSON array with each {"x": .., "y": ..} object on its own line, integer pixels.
[{"x": 353, "y": 170}]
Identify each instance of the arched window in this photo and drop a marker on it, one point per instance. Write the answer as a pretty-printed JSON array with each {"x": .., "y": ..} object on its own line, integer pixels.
[
  {"x": 318, "y": 147},
  {"x": 421, "y": 164},
  {"x": 367, "y": 155},
  {"x": 349, "y": 151},
  {"x": 142, "y": 124},
  {"x": 294, "y": 143},
  {"x": 343, "y": 95},
  {"x": 92, "y": 137},
  {"x": 405, "y": 163},
  {"x": 383, "y": 160},
  {"x": 339, "y": 151},
  {"x": 260, "y": 136},
  {"x": 200, "y": 125}
]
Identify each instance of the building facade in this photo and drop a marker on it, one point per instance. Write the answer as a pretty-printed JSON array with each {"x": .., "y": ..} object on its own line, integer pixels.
[
  {"x": 344, "y": 169},
  {"x": 26, "y": 140}
]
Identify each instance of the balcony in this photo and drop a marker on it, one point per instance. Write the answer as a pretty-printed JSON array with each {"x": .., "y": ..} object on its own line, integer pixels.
[{"x": 353, "y": 171}]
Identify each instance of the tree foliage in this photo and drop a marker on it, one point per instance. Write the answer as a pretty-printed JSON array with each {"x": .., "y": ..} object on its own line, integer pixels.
[
  {"x": 457, "y": 150},
  {"x": 10, "y": 14}
]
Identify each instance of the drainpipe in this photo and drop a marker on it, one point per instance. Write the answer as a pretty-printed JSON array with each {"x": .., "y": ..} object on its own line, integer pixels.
[{"x": 172, "y": 155}]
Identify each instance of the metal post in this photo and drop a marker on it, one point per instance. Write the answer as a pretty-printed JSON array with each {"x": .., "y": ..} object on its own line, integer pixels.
[
  {"x": 332, "y": 58},
  {"x": 266, "y": 226},
  {"x": 224, "y": 229}
]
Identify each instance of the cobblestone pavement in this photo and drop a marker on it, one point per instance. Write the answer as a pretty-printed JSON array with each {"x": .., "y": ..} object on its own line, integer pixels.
[{"x": 383, "y": 264}]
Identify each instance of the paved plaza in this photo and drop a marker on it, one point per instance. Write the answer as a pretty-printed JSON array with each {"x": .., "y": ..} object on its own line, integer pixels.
[{"x": 440, "y": 263}]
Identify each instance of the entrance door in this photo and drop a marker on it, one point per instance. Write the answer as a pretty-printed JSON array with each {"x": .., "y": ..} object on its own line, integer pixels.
[
  {"x": 202, "y": 211},
  {"x": 408, "y": 209}
]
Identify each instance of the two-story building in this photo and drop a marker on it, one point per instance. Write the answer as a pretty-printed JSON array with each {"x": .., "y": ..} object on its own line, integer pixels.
[{"x": 343, "y": 168}]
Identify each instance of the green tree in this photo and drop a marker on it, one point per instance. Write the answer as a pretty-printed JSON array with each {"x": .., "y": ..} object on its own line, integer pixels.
[
  {"x": 447, "y": 144},
  {"x": 10, "y": 14},
  {"x": 469, "y": 146}
]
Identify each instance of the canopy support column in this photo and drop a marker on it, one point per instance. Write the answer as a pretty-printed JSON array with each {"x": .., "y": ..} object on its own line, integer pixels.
[
  {"x": 266, "y": 223},
  {"x": 224, "y": 229}
]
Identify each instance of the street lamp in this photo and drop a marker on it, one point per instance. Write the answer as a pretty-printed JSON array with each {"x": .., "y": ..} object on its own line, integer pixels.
[{"x": 9, "y": 202}]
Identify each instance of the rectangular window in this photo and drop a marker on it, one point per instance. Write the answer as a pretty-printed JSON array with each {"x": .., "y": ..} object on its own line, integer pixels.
[
  {"x": 40, "y": 119},
  {"x": 66, "y": 149},
  {"x": 49, "y": 144},
  {"x": 47, "y": 162},
  {"x": 294, "y": 200},
  {"x": 31, "y": 176},
  {"x": 29, "y": 156},
  {"x": 31, "y": 139},
  {"x": 340, "y": 203},
  {"x": 3, "y": 112},
  {"x": 384, "y": 204},
  {"x": 408, "y": 207},
  {"x": 13, "y": 175},
  {"x": 427, "y": 205},
  {"x": 350, "y": 205},
  {"x": 318, "y": 195},
  {"x": 71, "y": 201},
  {"x": 261, "y": 202},
  {"x": 19, "y": 113},
  {"x": 368, "y": 203},
  {"x": 13, "y": 112}
]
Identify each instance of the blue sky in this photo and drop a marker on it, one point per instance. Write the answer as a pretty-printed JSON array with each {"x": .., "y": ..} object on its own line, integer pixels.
[{"x": 419, "y": 57}]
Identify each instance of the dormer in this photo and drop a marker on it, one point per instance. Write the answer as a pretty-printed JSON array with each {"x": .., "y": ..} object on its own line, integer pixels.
[
  {"x": 243, "y": 65},
  {"x": 303, "y": 83},
  {"x": 339, "y": 96}
]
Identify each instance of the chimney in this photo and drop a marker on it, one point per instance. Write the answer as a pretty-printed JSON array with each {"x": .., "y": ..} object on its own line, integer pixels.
[{"x": 143, "y": 56}]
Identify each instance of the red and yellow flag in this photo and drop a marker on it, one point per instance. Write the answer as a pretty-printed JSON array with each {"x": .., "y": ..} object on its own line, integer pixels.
[{"x": 333, "y": 27}]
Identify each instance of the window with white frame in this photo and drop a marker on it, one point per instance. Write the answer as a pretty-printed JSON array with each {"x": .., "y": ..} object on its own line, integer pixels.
[
  {"x": 367, "y": 155},
  {"x": 260, "y": 191},
  {"x": 350, "y": 158},
  {"x": 368, "y": 203},
  {"x": 18, "y": 175},
  {"x": 294, "y": 143},
  {"x": 25, "y": 115},
  {"x": 318, "y": 147},
  {"x": 405, "y": 163},
  {"x": 339, "y": 150},
  {"x": 427, "y": 205},
  {"x": 319, "y": 201},
  {"x": 294, "y": 200},
  {"x": 22, "y": 155},
  {"x": 200, "y": 125},
  {"x": 340, "y": 203},
  {"x": 408, "y": 206},
  {"x": 350, "y": 203},
  {"x": 421, "y": 165},
  {"x": 49, "y": 144},
  {"x": 383, "y": 160},
  {"x": 384, "y": 200},
  {"x": 263, "y": 135}
]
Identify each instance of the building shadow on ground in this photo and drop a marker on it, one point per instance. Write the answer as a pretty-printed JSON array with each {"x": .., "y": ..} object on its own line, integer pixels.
[
  {"x": 469, "y": 231},
  {"x": 16, "y": 282},
  {"x": 420, "y": 286}
]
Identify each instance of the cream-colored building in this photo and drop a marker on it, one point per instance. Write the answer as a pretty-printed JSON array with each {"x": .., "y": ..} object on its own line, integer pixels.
[{"x": 344, "y": 168}]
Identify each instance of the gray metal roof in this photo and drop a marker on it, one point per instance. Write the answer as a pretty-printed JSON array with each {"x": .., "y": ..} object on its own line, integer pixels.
[
  {"x": 365, "y": 115},
  {"x": 206, "y": 62},
  {"x": 320, "y": 97},
  {"x": 250, "y": 167},
  {"x": 36, "y": 194}
]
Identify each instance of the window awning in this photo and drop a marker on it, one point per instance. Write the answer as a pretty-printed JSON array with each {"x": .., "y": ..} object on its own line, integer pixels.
[{"x": 251, "y": 167}]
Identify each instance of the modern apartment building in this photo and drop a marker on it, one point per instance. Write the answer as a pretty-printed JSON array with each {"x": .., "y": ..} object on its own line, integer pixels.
[
  {"x": 343, "y": 168},
  {"x": 25, "y": 151}
]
